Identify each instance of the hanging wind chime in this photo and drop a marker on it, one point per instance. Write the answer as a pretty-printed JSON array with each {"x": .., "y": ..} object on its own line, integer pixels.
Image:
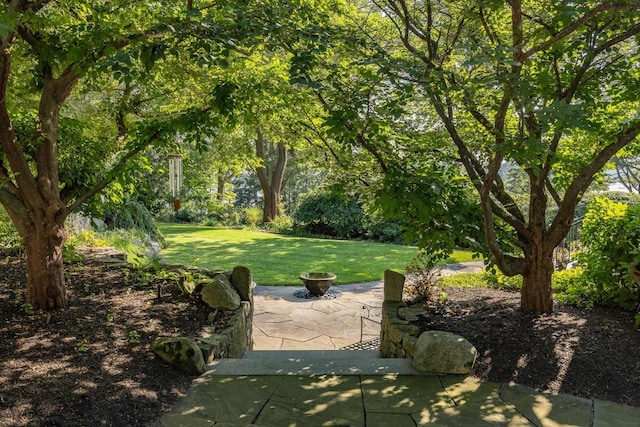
[{"x": 175, "y": 178}]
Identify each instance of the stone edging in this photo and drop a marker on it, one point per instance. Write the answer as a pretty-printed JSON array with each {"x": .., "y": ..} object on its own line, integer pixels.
[{"x": 397, "y": 337}]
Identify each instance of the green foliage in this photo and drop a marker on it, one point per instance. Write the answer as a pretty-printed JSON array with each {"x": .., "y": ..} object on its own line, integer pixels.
[
  {"x": 496, "y": 279},
  {"x": 281, "y": 224},
  {"x": 435, "y": 205},
  {"x": 252, "y": 216},
  {"x": 464, "y": 280},
  {"x": 611, "y": 236},
  {"x": 329, "y": 213},
  {"x": 569, "y": 288},
  {"x": 27, "y": 308},
  {"x": 134, "y": 337},
  {"x": 384, "y": 231},
  {"x": 132, "y": 215},
  {"x": 9, "y": 237},
  {"x": 81, "y": 346}
]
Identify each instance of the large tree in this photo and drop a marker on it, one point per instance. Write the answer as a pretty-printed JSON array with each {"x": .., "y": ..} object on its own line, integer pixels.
[
  {"x": 64, "y": 67},
  {"x": 550, "y": 86}
]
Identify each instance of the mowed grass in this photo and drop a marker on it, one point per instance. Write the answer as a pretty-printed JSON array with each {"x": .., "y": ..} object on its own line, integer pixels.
[{"x": 276, "y": 259}]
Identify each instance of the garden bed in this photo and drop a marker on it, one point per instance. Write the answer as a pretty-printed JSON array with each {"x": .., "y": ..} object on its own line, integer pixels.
[
  {"x": 91, "y": 365},
  {"x": 587, "y": 353}
]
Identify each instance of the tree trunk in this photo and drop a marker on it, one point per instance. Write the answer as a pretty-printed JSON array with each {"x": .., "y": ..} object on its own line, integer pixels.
[
  {"x": 221, "y": 187},
  {"x": 45, "y": 271},
  {"x": 536, "y": 295},
  {"x": 271, "y": 178}
]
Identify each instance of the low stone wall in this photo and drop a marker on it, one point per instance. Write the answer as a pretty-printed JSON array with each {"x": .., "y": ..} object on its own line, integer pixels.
[
  {"x": 434, "y": 352},
  {"x": 397, "y": 337},
  {"x": 238, "y": 336},
  {"x": 234, "y": 288}
]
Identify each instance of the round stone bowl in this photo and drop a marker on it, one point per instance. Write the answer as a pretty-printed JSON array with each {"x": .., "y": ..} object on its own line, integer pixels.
[{"x": 317, "y": 283}]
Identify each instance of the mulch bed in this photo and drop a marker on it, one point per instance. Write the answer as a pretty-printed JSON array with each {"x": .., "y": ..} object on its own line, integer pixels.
[
  {"x": 90, "y": 365},
  {"x": 588, "y": 353}
]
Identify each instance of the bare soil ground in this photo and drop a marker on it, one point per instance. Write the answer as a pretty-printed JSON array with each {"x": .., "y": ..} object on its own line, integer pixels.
[
  {"x": 90, "y": 365},
  {"x": 588, "y": 353}
]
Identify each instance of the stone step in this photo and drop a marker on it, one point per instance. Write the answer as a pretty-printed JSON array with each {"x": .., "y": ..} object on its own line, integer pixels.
[
  {"x": 311, "y": 354},
  {"x": 311, "y": 366}
]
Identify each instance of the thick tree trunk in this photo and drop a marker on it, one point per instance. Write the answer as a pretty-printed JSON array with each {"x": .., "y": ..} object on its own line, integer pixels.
[
  {"x": 45, "y": 270},
  {"x": 536, "y": 295},
  {"x": 271, "y": 178},
  {"x": 271, "y": 204}
]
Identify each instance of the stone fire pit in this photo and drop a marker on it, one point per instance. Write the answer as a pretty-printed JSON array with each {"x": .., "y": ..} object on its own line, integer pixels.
[{"x": 317, "y": 283}]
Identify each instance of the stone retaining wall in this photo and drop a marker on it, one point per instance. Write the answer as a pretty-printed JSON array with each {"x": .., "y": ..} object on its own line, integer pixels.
[
  {"x": 231, "y": 342},
  {"x": 238, "y": 336},
  {"x": 397, "y": 337}
]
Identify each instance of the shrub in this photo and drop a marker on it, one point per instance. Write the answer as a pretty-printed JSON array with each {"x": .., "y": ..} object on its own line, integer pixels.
[
  {"x": 132, "y": 215},
  {"x": 423, "y": 286},
  {"x": 496, "y": 279},
  {"x": 464, "y": 280},
  {"x": 610, "y": 235},
  {"x": 568, "y": 286},
  {"x": 384, "y": 231},
  {"x": 280, "y": 224},
  {"x": 252, "y": 216},
  {"x": 331, "y": 214}
]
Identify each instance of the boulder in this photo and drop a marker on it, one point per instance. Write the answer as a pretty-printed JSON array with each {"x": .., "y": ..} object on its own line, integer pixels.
[
  {"x": 242, "y": 282},
  {"x": 180, "y": 352},
  {"x": 440, "y": 352},
  {"x": 220, "y": 294}
]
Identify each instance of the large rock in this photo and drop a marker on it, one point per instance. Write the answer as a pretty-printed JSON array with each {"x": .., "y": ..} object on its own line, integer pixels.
[
  {"x": 243, "y": 283},
  {"x": 443, "y": 353},
  {"x": 180, "y": 352},
  {"x": 220, "y": 294}
]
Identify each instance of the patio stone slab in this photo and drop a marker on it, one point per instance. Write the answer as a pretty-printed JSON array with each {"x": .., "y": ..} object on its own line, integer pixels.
[
  {"x": 231, "y": 399},
  {"x": 316, "y": 401},
  {"x": 608, "y": 414},
  {"x": 548, "y": 410},
  {"x": 269, "y": 317},
  {"x": 376, "y": 419},
  {"x": 288, "y": 331},
  {"x": 321, "y": 342},
  {"x": 404, "y": 395}
]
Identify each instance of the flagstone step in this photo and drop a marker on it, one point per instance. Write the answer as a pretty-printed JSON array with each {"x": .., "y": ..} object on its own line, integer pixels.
[
  {"x": 311, "y": 365},
  {"x": 312, "y": 354}
]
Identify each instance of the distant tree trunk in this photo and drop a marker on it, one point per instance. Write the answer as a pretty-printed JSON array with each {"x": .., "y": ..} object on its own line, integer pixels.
[
  {"x": 271, "y": 178},
  {"x": 221, "y": 187}
]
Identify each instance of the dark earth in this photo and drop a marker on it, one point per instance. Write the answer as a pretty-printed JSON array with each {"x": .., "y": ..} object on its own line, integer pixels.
[
  {"x": 589, "y": 353},
  {"x": 90, "y": 365}
]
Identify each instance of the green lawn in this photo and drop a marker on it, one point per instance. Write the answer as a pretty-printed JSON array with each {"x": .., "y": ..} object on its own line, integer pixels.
[{"x": 278, "y": 259}]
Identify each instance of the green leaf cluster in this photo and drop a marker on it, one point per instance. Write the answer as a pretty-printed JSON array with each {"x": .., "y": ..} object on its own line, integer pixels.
[{"x": 610, "y": 234}]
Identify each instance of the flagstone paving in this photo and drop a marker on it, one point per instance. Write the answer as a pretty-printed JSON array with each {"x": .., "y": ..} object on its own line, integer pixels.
[{"x": 324, "y": 387}]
